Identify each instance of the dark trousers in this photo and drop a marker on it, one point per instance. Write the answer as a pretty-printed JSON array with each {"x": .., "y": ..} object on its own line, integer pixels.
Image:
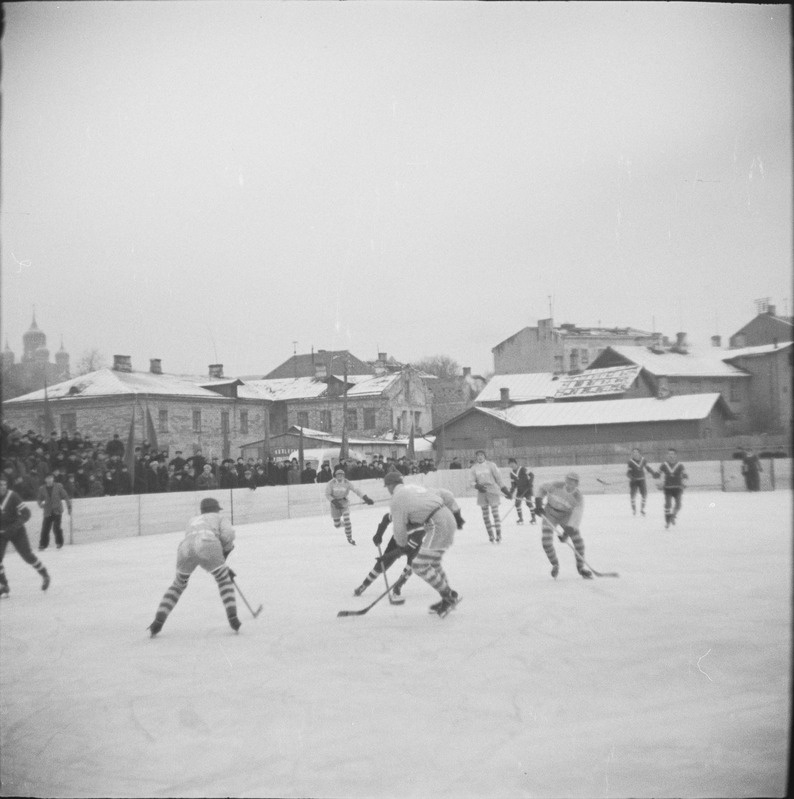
[
  {"x": 19, "y": 538},
  {"x": 672, "y": 502},
  {"x": 51, "y": 522}
]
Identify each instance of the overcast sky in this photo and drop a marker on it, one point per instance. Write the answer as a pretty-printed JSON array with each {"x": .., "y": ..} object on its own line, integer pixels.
[{"x": 210, "y": 182}]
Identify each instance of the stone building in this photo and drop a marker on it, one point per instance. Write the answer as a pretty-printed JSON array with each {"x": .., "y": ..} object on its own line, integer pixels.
[
  {"x": 217, "y": 418},
  {"x": 34, "y": 367},
  {"x": 453, "y": 395},
  {"x": 767, "y": 328},
  {"x": 567, "y": 348}
]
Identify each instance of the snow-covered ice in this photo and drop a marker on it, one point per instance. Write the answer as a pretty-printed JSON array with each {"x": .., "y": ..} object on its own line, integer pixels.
[{"x": 672, "y": 680}]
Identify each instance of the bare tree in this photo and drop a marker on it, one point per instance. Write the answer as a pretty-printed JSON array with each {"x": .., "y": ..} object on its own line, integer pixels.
[
  {"x": 439, "y": 365},
  {"x": 90, "y": 361}
]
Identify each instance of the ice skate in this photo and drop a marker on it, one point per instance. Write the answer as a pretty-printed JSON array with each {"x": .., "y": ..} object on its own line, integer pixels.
[
  {"x": 555, "y": 570},
  {"x": 360, "y": 590},
  {"x": 448, "y": 604},
  {"x": 45, "y": 581},
  {"x": 586, "y": 573},
  {"x": 235, "y": 623},
  {"x": 156, "y": 625},
  {"x": 5, "y": 590}
]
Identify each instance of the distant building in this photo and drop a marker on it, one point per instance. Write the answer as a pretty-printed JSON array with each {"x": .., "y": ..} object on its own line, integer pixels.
[
  {"x": 567, "y": 348},
  {"x": 766, "y": 328},
  {"x": 186, "y": 416},
  {"x": 453, "y": 395},
  {"x": 30, "y": 372},
  {"x": 320, "y": 364}
]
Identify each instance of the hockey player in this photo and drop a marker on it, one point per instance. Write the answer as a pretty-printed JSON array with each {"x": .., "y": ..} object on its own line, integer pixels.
[
  {"x": 424, "y": 522},
  {"x": 487, "y": 479},
  {"x": 521, "y": 488},
  {"x": 564, "y": 506},
  {"x": 336, "y": 492},
  {"x": 51, "y": 498},
  {"x": 12, "y": 531},
  {"x": 637, "y": 466},
  {"x": 207, "y": 543},
  {"x": 392, "y": 553},
  {"x": 675, "y": 476}
]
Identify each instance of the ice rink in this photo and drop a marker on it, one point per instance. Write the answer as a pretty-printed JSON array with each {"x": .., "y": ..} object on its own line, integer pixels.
[{"x": 672, "y": 680}]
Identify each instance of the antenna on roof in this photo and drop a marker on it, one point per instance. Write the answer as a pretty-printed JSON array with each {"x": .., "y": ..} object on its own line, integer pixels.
[{"x": 295, "y": 356}]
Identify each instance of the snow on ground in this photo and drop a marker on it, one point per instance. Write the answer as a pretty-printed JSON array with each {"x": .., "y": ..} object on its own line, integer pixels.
[{"x": 672, "y": 680}]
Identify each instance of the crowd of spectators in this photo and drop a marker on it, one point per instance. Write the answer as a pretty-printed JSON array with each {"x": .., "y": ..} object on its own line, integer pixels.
[{"x": 88, "y": 468}]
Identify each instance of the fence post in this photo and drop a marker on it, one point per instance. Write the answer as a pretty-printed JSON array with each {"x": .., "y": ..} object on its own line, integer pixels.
[
  {"x": 139, "y": 514},
  {"x": 231, "y": 503},
  {"x": 772, "y": 472},
  {"x": 722, "y": 475}
]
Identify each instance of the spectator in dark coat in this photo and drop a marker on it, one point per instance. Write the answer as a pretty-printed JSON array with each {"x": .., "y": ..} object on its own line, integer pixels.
[
  {"x": 325, "y": 474},
  {"x": 309, "y": 474},
  {"x": 115, "y": 447}
]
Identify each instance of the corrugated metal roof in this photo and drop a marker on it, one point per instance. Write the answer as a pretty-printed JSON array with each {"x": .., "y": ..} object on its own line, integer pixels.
[
  {"x": 620, "y": 411},
  {"x": 109, "y": 382},
  {"x": 674, "y": 364},
  {"x": 762, "y": 349}
]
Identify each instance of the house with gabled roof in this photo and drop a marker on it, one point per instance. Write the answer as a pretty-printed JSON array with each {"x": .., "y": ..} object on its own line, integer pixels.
[
  {"x": 768, "y": 327},
  {"x": 216, "y": 417}
]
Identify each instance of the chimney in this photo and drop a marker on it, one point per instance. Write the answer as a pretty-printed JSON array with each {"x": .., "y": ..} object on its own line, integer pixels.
[
  {"x": 716, "y": 341},
  {"x": 382, "y": 356},
  {"x": 122, "y": 363},
  {"x": 156, "y": 366},
  {"x": 320, "y": 370},
  {"x": 216, "y": 370},
  {"x": 771, "y": 310},
  {"x": 504, "y": 397},
  {"x": 466, "y": 371},
  {"x": 680, "y": 343}
]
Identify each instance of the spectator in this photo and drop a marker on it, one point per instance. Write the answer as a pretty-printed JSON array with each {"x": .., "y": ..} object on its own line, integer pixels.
[
  {"x": 229, "y": 478},
  {"x": 206, "y": 481},
  {"x": 325, "y": 474},
  {"x": 248, "y": 480},
  {"x": 95, "y": 487},
  {"x": 309, "y": 474},
  {"x": 115, "y": 447},
  {"x": 51, "y": 499},
  {"x": 178, "y": 462}
]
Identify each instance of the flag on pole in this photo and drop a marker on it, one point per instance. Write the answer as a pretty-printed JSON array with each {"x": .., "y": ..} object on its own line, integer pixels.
[
  {"x": 49, "y": 420},
  {"x": 411, "y": 448},
  {"x": 151, "y": 433},
  {"x": 301, "y": 462},
  {"x": 266, "y": 439},
  {"x": 129, "y": 455},
  {"x": 343, "y": 450},
  {"x": 440, "y": 443}
]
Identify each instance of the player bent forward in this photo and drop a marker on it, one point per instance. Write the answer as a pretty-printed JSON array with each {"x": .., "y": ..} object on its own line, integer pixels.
[
  {"x": 564, "y": 506},
  {"x": 424, "y": 527},
  {"x": 12, "y": 531},
  {"x": 208, "y": 541}
]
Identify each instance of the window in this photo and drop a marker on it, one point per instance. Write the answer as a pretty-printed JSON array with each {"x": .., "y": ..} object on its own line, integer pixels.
[
  {"x": 734, "y": 391},
  {"x": 196, "y": 421},
  {"x": 243, "y": 421},
  {"x": 225, "y": 422},
  {"x": 418, "y": 422},
  {"x": 351, "y": 419},
  {"x": 585, "y": 357},
  {"x": 325, "y": 421},
  {"x": 162, "y": 421},
  {"x": 557, "y": 364},
  {"x": 370, "y": 418},
  {"x": 574, "y": 360},
  {"x": 69, "y": 422},
  {"x": 303, "y": 418}
]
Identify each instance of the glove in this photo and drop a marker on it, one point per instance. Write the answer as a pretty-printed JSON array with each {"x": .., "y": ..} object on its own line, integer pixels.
[
  {"x": 232, "y": 574},
  {"x": 227, "y": 552},
  {"x": 384, "y": 523},
  {"x": 459, "y": 519},
  {"x": 368, "y": 500},
  {"x": 338, "y": 503},
  {"x": 24, "y": 513},
  {"x": 567, "y": 532},
  {"x": 506, "y": 492},
  {"x": 481, "y": 488}
]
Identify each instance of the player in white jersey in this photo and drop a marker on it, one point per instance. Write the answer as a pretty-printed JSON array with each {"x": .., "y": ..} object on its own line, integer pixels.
[
  {"x": 485, "y": 476},
  {"x": 208, "y": 541},
  {"x": 336, "y": 492},
  {"x": 564, "y": 506},
  {"x": 424, "y": 522}
]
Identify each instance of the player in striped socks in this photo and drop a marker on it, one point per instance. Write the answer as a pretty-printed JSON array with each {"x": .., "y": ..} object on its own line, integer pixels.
[
  {"x": 487, "y": 479},
  {"x": 207, "y": 543},
  {"x": 336, "y": 492}
]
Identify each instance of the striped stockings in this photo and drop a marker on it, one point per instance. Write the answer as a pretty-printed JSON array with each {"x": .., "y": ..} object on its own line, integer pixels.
[
  {"x": 172, "y": 595},
  {"x": 36, "y": 564},
  {"x": 348, "y": 525},
  {"x": 487, "y": 510},
  {"x": 427, "y": 564}
]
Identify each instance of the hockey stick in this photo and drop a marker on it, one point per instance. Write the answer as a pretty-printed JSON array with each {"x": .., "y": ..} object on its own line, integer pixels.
[
  {"x": 242, "y": 596},
  {"x": 578, "y": 556},
  {"x": 407, "y": 571},
  {"x": 393, "y": 600},
  {"x": 513, "y": 506}
]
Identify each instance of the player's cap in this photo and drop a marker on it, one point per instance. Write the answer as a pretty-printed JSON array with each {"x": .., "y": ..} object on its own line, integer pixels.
[
  {"x": 338, "y": 470},
  {"x": 392, "y": 479},
  {"x": 572, "y": 476},
  {"x": 210, "y": 505}
]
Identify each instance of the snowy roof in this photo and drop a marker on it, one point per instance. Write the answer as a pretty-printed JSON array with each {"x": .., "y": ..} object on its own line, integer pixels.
[
  {"x": 110, "y": 382},
  {"x": 523, "y": 388},
  {"x": 748, "y": 352},
  {"x": 620, "y": 411},
  {"x": 371, "y": 384},
  {"x": 709, "y": 363},
  {"x": 289, "y": 388}
]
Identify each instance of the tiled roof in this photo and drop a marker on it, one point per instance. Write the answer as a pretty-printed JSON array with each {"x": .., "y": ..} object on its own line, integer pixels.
[
  {"x": 109, "y": 382},
  {"x": 620, "y": 411},
  {"x": 708, "y": 363}
]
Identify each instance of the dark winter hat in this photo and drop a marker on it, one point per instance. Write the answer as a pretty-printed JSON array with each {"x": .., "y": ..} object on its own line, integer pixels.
[
  {"x": 392, "y": 479},
  {"x": 210, "y": 505},
  {"x": 572, "y": 476}
]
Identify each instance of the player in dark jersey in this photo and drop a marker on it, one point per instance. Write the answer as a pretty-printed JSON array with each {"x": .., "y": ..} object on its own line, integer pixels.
[
  {"x": 521, "y": 485},
  {"x": 637, "y": 466},
  {"x": 675, "y": 476}
]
